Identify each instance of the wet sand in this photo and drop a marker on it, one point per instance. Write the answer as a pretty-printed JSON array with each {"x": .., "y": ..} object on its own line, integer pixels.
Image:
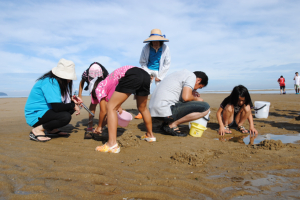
[{"x": 210, "y": 167}]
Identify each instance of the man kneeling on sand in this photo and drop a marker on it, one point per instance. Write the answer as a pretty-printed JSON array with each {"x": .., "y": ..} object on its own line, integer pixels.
[{"x": 176, "y": 101}]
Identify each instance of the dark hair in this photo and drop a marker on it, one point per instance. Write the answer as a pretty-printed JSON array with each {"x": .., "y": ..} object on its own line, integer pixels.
[
  {"x": 160, "y": 42},
  {"x": 65, "y": 87},
  {"x": 281, "y": 76},
  {"x": 203, "y": 76},
  {"x": 239, "y": 91},
  {"x": 104, "y": 72},
  {"x": 99, "y": 79}
]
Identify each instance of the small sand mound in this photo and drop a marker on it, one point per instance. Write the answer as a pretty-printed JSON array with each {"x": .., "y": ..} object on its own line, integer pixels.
[
  {"x": 271, "y": 145},
  {"x": 192, "y": 158},
  {"x": 128, "y": 139}
]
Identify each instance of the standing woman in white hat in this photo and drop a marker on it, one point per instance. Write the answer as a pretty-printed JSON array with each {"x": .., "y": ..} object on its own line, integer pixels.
[
  {"x": 50, "y": 105},
  {"x": 155, "y": 58}
]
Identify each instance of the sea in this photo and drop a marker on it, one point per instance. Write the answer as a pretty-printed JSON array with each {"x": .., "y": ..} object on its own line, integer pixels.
[{"x": 254, "y": 91}]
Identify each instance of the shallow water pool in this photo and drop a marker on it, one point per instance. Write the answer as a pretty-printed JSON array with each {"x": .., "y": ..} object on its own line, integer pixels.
[{"x": 248, "y": 139}]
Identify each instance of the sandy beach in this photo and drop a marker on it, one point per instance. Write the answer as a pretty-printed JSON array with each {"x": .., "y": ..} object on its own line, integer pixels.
[{"x": 210, "y": 167}]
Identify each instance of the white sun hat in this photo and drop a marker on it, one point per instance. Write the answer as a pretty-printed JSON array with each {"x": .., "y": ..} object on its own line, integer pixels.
[{"x": 65, "y": 69}]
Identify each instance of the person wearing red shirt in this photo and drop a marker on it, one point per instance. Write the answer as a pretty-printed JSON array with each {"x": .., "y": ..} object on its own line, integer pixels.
[{"x": 281, "y": 82}]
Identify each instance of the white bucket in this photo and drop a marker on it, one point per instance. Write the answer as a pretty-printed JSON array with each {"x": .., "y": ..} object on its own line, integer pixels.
[
  {"x": 203, "y": 120},
  {"x": 261, "y": 109}
]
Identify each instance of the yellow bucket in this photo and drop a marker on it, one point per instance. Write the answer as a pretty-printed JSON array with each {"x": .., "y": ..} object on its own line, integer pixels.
[{"x": 197, "y": 129}]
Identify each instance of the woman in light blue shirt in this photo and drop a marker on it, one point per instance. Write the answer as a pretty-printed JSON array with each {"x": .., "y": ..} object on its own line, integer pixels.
[{"x": 49, "y": 105}]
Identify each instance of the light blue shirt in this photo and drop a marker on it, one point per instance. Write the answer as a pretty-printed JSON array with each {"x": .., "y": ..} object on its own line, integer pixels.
[
  {"x": 43, "y": 93},
  {"x": 154, "y": 59}
]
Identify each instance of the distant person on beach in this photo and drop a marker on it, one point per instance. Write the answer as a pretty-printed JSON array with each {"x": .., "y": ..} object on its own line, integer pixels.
[
  {"x": 297, "y": 82},
  {"x": 115, "y": 89},
  {"x": 155, "y": 58},
  {"x": 176, "y": 100},
  {"x": 50, "y": 105},
  {"x": 234, "y": 110},
  {"x": 92, "y": 76},
  {"x": 281, "y": 82}
]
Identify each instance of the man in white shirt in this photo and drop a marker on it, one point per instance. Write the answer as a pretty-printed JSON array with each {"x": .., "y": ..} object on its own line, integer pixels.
[{"x": 176, "y": 101}]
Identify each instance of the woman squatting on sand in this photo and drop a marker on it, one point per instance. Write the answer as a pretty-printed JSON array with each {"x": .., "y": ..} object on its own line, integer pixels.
[{"x": 49, "y": 105}]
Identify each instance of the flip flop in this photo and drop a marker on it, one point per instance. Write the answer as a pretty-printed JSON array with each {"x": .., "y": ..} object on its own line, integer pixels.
[
  {"x": 36, "y": 137},
  {"x": 139, "y": 116}
]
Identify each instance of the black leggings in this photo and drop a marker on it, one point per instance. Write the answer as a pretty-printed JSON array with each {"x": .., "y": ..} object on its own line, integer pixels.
[{"x": 52, "y": 120}]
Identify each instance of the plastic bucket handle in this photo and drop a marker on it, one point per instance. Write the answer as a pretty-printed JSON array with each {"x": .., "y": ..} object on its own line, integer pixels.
[
  {"x": 206, "y": 118},
  {"x": 260, "y": 107}
]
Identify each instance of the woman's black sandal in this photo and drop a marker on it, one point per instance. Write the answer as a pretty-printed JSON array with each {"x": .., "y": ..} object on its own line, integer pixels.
[
  {"x": 36, "y": 137},
  {"x": 174, "y": 132},
  {"x": 242, "y": 129}
]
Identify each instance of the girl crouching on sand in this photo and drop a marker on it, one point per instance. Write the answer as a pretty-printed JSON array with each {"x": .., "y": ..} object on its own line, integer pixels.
[
  {"x": 49, "y": 105},
  {"x": 92, "y": 76},
  {"x": 115, "y": 89},
  {"x": 234, "y": 110}
]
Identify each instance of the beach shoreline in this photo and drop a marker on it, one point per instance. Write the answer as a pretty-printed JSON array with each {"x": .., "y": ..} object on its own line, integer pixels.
[{"x": 172, "y": 168}]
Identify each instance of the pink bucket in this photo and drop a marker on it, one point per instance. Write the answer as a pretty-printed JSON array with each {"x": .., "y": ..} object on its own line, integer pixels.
[{"x": 124, "y": 118}]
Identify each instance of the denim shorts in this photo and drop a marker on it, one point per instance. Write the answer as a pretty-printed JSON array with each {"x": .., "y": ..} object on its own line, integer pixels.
[
  {"x": 233, "y": 124},
  {"x": 181, "y": 109}
]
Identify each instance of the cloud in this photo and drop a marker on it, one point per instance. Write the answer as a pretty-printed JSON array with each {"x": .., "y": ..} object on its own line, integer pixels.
[
  {"x": 227, "y": 39},
  {"x": 20, "y": 63}
]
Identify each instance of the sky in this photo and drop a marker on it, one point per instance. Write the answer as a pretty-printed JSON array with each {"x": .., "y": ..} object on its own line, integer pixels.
[{"x": 249, "y": 42}]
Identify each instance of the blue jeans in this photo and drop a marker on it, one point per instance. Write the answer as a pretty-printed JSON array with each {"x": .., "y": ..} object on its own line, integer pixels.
[{"x": 181, "y": 109}]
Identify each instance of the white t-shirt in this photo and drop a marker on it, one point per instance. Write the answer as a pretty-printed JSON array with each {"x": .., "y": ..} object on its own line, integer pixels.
[
  {"x": 297, "y": 80},
  {"x": 168, "y": 92}
]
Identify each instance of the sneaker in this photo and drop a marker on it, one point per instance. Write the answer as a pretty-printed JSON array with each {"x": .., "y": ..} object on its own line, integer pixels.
[
  {"x": 107, "y": 149},
  {"x": 139, "y": 116},
  {"x": 148, "y": 139}
]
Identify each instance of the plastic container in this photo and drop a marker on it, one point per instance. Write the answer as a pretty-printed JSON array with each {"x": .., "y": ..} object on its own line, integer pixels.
[
  {"x": 197, "y": 130},
  {"x": 203, "y": 120},
  {"x": 124, "y": 118},
  {"x": 261, "y": 109}
]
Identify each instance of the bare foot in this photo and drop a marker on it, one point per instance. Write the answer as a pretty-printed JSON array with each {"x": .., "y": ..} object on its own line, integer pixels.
[
  {"x": 36, "y": 132},
  {"x": 97, "y": 130}
]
